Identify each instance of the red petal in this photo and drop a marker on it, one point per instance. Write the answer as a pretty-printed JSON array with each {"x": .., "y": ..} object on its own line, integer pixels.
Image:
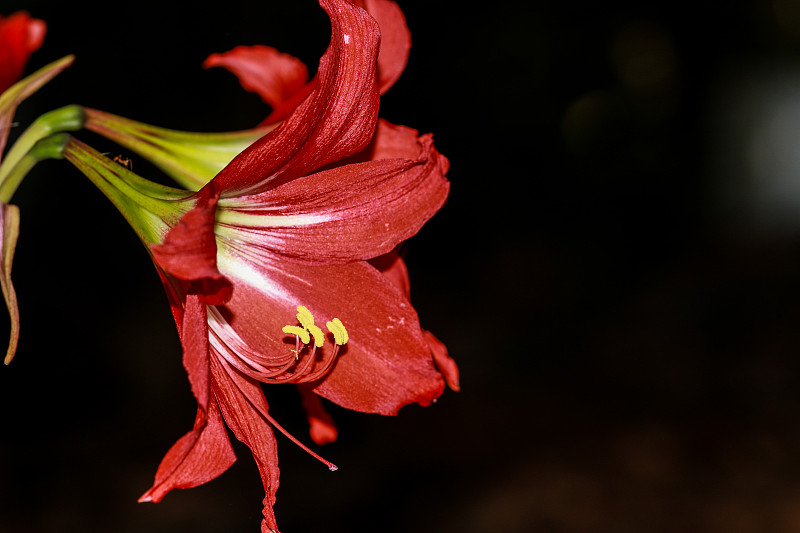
[
  {"x": 321, "y": 426},
  {"x": 9, "y": 231},
  {"x": 336, "y": 120},
  {"x": 395, "y": 40},
  {"x": 240, "y": 400},
  {"x": 347, "y": 213},
  {"x": 394, "y": 268},
  {"x": 446, "y": 364},
  {"x": 198, "y": 457},
  {"x": 390, "y": 141},
  {"x": 189, "y": 251},
  {"x": 194, "y": 341},
  {"x": 20, "y": 36},
  {"x": 279, "y": 79},
  {"x": 385, "y": 365},
  {"x": 205, "y": 452}
]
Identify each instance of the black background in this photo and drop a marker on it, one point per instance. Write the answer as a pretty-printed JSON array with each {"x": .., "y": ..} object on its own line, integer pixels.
[{"x": 625, "y": 320}]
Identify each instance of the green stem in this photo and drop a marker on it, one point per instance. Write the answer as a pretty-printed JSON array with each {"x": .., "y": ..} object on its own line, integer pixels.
[{"x": 69, "y": 118}]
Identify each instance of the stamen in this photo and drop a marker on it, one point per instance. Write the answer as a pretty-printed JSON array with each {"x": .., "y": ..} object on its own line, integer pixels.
[
  {"x": 319, "y": 337},
  {"x": 301, "y": 333},
  {"x": 336, "y": 327},
  {"x": 304, "y": 316}
]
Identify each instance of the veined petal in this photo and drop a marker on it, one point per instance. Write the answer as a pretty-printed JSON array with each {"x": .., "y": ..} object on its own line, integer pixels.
[
  {"x": 9, "y": 226},
  {"x": 205, "y": 452},
  {"x": 198, "y": 457},
  {"x": 386, "y": 363},
  {"x": 241, "y": 402},
  {"x": 347, "y": 213},
  {"x": 336, "y": 120},
  {"x": 20, "y": 36},
  {"x": 281, "y": 80},
  {"x": 395, "y": 40}
]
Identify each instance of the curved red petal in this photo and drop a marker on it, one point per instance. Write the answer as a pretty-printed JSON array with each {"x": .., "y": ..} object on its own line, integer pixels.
[
  {"x": 395, "y": 40},
  {"x": 385, "y": 365},
  {"x": 281, "y": 80},
  {"x": 336, "y": 120},
  {"x": 347, "y": 213},
  {"x": 20, "y": 36},
  {"x": 198, "y": 457}
]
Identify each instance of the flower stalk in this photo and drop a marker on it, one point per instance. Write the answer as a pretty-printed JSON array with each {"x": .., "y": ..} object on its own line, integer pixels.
[{"x": 19, "y": 160}]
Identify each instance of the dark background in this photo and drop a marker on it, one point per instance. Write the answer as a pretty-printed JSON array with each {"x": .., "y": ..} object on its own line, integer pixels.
[{"x": 617, "y": 272}]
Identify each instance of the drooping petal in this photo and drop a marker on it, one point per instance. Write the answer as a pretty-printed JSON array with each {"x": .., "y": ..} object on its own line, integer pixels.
[
  {"x": 336, "y": 120},
  {"x": 194, "y": 341},
  {"x": 198, "y": 457},
  {"x": 395, "y": 40},
  {"x": 386, "y": 363},
  {"x": 20, "y": 36},
  {"x": 9, "y": 226},
  {"x": 281, "y": 80},
  {"x": 205, "y": 452},
  {"x": 321, "y": 426},
  {"x": 347, "y": 213},
  {"x": 241, "y": 402}
]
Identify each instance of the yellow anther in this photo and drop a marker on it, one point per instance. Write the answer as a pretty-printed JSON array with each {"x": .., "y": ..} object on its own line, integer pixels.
[
  {"x": 319, "y": 336},
  {"x": 304, "y": 316},
  {"x": 300, "y": 332},
  {"x": 336, "y": 327}
]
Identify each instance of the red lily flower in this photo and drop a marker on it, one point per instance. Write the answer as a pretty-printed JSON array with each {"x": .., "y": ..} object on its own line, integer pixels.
[
  {"x": 293, "y": 220},
  {"x": 20, "y": 36},
  {"x": 282, "y": 82}
]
